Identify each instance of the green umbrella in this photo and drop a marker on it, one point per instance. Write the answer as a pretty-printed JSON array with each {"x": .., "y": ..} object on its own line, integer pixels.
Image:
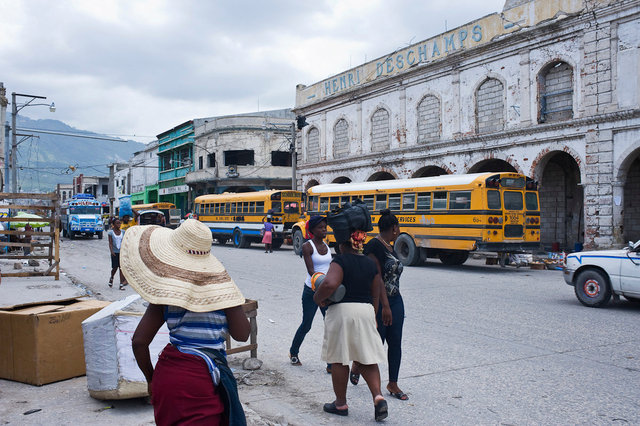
[{"x": 24, "y": 215}]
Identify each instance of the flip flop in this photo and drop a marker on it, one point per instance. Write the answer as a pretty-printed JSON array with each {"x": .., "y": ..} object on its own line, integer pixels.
[
  {"x": 354, "y": 378},
  {"x": 381, "y": 410},
  {"x": 400, "y": 395},
  {"x": 294, "y": 360},
  {"x": 330, "y": 407}
]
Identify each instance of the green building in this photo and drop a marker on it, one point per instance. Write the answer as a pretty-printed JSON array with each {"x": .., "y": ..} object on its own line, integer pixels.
[{"x": 175, "y": 160}]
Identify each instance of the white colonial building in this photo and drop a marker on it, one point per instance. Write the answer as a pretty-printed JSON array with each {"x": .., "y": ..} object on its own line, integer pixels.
[{"x": 547, "y": 88}]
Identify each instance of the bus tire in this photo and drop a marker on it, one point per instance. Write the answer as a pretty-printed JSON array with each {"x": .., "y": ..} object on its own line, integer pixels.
[
  {"x": 277, "y": 243},
  {"x": 406, "y": 250},
  {"x": 72, "y": 235},
  {"x": 298, "y": 241},
  {"x": 454, "y": 258},
  {"x": 238, "y": 239},
  {"x": 99, "y": 233}
]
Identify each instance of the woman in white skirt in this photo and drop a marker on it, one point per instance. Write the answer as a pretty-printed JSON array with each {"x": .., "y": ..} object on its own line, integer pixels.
[{"x": 350, "y": 332}]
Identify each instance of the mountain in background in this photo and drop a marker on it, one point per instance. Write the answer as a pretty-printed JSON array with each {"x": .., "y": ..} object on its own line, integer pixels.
[{"x": 44, "y": 162}]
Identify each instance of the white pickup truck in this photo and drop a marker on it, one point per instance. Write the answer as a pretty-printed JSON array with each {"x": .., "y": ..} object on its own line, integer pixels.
[{"x": 597, "y": 275}]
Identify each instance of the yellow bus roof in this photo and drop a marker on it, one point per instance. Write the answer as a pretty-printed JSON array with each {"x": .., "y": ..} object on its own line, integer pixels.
[
  {"x": 425, "y": 182},
  {"x": 241, "y": 196},
  {"x": 152, "y": 205}
]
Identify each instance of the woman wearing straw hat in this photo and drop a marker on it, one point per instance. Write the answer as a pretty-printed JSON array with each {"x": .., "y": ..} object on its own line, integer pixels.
[
  {"x": 350, "y": 332},
  {"x": 189, "y": 289}
]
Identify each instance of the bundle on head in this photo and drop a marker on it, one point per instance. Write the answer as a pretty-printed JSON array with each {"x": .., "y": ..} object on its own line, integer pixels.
[{"x": 346, "y": 221}]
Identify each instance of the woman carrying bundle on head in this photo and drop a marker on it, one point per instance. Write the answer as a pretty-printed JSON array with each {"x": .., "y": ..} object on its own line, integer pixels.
[
  {"x": 190, "y": 290},
  {"x": 380, "y": 250},
  {"x": 350, "y": 333}
]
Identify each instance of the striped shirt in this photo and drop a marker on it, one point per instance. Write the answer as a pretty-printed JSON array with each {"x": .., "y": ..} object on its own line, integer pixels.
[{"x": 191, "y": 331}]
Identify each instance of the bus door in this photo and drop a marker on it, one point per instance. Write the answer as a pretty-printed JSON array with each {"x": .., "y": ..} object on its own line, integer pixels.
[{"x": 513, "y": 207}]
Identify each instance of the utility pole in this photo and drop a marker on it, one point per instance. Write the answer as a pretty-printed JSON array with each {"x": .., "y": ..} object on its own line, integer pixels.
[
  {"x": 294, "y": 158},
  {"x": 4, "y": 136}
]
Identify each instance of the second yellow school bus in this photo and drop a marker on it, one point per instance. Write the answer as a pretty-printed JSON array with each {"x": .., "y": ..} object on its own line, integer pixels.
[
  {"x": 444, "y": 216},
  {"x": 239, "y": 216}
]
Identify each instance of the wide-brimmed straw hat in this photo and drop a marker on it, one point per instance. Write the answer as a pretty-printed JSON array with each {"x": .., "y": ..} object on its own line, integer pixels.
[{"x": 176, "y": 267}]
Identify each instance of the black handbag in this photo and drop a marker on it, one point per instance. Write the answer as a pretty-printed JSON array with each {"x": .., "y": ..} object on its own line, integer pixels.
[{"x": 349, "y": 218}]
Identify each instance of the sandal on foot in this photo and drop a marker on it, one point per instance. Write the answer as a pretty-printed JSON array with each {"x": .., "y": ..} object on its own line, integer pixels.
[
  {"x": 354, "y": 378},
  {"x": 400, "y": 395},
  {"x": 381, "y": 411},
  {"x": 330, "y": 407},
  {"x": 110, "y": 283},
  {"x": 294, "y": 360},
  {"x": 122, "y": 287}
]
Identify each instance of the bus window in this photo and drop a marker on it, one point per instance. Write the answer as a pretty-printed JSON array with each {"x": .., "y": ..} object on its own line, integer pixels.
[
  {"x": 368, "y": 200},
  {"x": 276, "y": 206},
  {"x": 233, "y": 208},
  {"x": 460, "y": 200},
  {"x": 440, "y": 200},
  {"x": 424, "y": 201},
  {"x": 493, "y": 200},
  {"x": 312, "y": 204},
  {"x": 324, "y": 204},
  {"x": 198, "y": 212},
  {"x": 334, "y": 203},
  {"x": 291, "y": 207},
  {"x": 394, "y": 201},
  {"x": 259, "y": 206},
  {"x": 381, "y": 202},
  {"x": 252, "y": 207},
  {"x": 227, "y": 208},
  {"x": 409, "y": 202},
  {"x": 512, "y": 200},
  {"x": 531, "y": 201}
]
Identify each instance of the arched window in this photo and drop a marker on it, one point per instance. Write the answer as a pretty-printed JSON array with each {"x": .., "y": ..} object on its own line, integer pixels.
[
  {"x": 429, "y": 122},
  {"x": 313, "y": 145},
  {"x": 490, "y": 106},
  {"x": 380, "y": 136},
  {"x": 555, "y": 86},
  {"x": 341, "y": 139}
]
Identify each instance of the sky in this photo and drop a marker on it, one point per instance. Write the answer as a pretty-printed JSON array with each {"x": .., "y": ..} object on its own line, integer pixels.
[{"x": 135, "y": 68}]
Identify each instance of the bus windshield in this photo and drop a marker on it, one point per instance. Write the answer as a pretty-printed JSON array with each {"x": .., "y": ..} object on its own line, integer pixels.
[{"x": 84, "y": 209}]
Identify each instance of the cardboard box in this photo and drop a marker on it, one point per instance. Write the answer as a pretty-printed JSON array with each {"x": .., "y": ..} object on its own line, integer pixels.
[
  {"x": 112, "y": 371},
  {"x": 42, "y": 343}
]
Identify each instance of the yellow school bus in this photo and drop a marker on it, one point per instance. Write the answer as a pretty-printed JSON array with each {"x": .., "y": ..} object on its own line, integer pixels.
[
  {"x": 171, "y": 213},
  {"x": 239, "y": 216},
  {"x": 445, "y": 216}
]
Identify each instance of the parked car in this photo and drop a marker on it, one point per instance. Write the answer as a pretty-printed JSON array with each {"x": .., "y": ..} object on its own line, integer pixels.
[
  {"x": 597, "y": 275},
  {"x": 151, "y": 217}
]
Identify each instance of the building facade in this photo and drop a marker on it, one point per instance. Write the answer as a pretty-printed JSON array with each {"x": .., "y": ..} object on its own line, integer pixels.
[
  {"x": 98, "y": 186},
  {"x": 175, "y": 160},
  {"x": 144, "y": 175},
  {"x": 547, "y": 88},
  {"x": 245, "y": 152}
]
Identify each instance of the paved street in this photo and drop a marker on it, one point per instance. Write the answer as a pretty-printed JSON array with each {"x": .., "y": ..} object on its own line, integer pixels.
[{"x": 482, "y": 345}]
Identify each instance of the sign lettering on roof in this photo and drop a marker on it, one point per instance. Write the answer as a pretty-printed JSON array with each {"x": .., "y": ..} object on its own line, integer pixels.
[{"x": 465, "y": 37}]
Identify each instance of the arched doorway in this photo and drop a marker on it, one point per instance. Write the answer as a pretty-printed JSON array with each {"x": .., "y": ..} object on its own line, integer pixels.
[
  {"x": 311, "y": 183},
  {"x": 380, "y": 176},
  {"x": 341, "y": 179},
  {"x": 429, "y": 171},
  {"x": 631, "y": 210},
  {"x": 561, "y": 202},
  {"x": 492, "y": 165}
]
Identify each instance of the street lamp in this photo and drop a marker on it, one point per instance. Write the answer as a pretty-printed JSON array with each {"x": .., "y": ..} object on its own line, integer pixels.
[{"x": 15, "y": 108}]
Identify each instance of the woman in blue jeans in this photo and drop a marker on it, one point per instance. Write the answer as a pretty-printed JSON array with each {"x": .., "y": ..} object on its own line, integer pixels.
[
  {"x": 389, "y": 266},
  {"x": 317, "y": 258}
]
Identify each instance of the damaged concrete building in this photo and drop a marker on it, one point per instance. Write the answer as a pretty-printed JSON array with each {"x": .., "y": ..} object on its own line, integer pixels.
[
  {"x": 547, "y": 88},
  {"x": 241, "y": 153}
]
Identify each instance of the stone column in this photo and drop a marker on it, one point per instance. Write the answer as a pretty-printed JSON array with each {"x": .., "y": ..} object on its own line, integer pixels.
[{"x": 618, "y": 212}]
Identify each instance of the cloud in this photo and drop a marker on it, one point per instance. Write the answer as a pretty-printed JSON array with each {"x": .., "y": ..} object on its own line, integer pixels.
[{"x": 141, "y": 67}]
